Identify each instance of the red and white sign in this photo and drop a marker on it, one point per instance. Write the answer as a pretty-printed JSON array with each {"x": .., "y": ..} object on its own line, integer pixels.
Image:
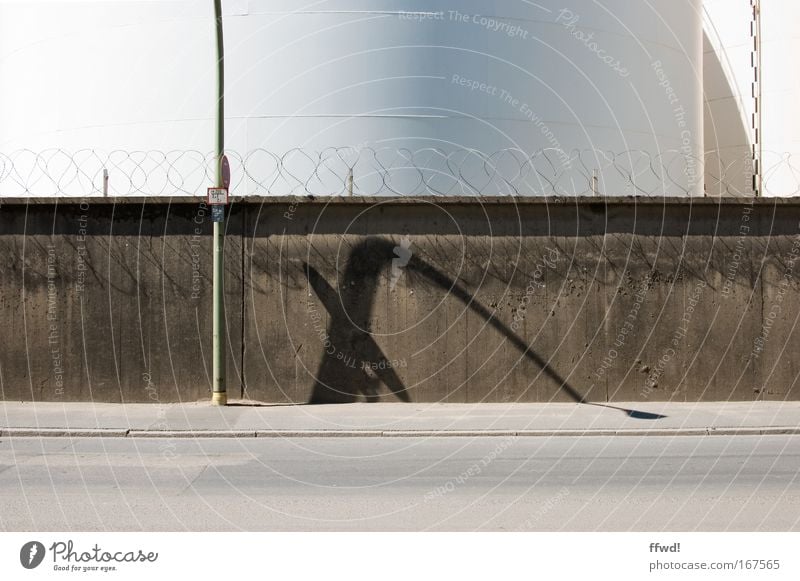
[{"x": 217, "y": 196}]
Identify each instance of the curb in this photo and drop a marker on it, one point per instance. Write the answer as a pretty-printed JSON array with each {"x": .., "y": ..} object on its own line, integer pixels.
[{"x": 191, "y": 434}]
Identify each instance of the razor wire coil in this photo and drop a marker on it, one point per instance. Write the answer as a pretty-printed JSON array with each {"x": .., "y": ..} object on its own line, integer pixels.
[{"x": 367, "y": 171}]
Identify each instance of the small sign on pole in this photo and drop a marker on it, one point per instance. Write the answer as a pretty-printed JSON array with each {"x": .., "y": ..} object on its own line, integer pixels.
[
  {"x": 217, "y": 196},
  {"x": 217, "y": 213}
]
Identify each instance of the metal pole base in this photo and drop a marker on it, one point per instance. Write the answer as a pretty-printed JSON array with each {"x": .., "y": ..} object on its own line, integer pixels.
[{"x": 219, "y": 398}]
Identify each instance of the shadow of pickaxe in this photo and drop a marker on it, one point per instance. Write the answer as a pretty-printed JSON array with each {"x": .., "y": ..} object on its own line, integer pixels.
[{"x": 349, "y": 322}]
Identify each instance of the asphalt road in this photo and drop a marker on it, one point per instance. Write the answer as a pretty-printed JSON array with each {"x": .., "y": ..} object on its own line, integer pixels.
[{"x": 718, "y": 483}]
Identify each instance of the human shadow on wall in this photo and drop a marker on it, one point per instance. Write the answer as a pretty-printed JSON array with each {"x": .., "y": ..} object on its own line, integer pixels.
[
  {"x": 353, "y": 364},
  {"x": 350, "y": 367}
]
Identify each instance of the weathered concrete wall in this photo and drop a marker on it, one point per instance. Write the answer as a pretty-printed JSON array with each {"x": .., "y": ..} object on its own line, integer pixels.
[
  {"x": 410, "y": 300},
  {"x": 97, "y": 302}
]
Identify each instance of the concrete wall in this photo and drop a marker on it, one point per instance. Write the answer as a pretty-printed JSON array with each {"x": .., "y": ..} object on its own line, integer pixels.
[{"x": 404, "y": 300}]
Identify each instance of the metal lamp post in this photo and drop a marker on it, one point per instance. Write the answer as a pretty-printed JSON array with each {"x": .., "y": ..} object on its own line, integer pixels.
[{"x": 219, "y": 395}]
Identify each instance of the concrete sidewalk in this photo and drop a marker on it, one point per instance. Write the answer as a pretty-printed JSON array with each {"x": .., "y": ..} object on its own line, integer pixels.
[{"x": 242, "y": 419}]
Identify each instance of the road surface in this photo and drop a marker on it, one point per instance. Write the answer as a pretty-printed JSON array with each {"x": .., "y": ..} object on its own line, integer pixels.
[{"x": 717, "y": 483}]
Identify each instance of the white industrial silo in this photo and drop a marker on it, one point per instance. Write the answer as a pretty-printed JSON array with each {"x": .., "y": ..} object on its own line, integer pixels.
[
  {"x": 780, "y": 93},
  {"x": 748, "y": 54},
  {"x": 122, "y": 86},
  {"x": 728, "y": 71},
  {"x": 406, "y": 96}
]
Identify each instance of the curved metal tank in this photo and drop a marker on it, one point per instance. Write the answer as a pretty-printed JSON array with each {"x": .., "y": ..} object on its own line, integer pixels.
[
  {"x": 128, "y": 75},
  {"x": 105, "y": 85},
  {"x": 448, "y": 97},
  {"x": 780, "y": 118},
  {"x": 730, "y": 102}
]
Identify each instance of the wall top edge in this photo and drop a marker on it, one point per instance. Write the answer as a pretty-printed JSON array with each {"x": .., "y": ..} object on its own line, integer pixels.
[{"x": 415, "y": 200}]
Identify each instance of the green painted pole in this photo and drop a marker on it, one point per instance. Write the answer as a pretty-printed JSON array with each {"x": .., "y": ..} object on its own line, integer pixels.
[{"x": 220, "y": 395}]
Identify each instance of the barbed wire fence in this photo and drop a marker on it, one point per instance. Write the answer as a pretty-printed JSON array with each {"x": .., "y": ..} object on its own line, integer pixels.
[{"x": 368, "y": 171}]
